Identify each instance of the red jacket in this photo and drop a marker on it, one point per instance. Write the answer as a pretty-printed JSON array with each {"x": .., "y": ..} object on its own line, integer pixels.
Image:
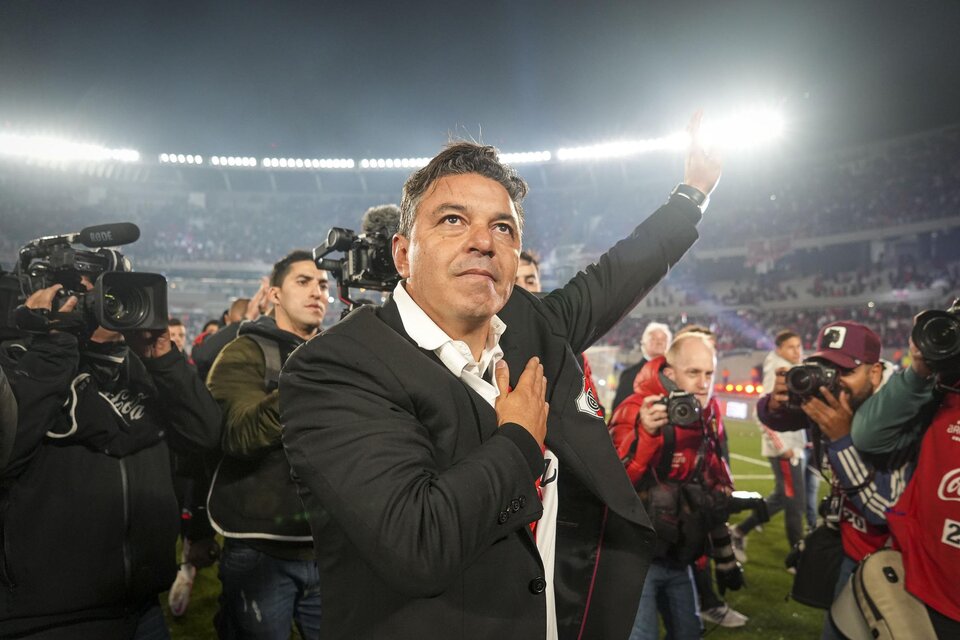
[{"x": 647, "y": 452}]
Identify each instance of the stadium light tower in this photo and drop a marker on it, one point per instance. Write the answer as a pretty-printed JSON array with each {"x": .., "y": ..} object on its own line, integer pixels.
[{"x": 59, "y": 150}]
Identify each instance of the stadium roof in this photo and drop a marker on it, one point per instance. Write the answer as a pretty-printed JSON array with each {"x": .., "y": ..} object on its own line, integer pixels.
[{"x": 392, "y": 79}]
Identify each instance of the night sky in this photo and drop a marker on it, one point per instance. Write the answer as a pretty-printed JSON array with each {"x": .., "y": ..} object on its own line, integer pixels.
[{"x": 360, "y": 79}]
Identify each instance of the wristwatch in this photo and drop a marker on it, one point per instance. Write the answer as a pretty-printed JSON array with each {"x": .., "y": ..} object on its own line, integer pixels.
[{"x": 692, "y": 194}]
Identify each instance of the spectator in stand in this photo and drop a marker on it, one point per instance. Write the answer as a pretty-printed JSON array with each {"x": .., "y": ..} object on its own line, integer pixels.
[
  {"x": 787, "y": 453},
  {"x": 653, "y": 344}
]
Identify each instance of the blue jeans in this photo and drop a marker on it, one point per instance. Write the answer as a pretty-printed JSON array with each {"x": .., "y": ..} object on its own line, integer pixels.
[
  {"x": 812, "y": 485},
  {"x": 669, "y": 592},
  {"x": 263, "y": 596},
  {"x": 791, "y": 501}
]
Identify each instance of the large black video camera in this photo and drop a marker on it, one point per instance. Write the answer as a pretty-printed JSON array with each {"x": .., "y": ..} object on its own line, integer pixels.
[
  {"x": 683, "y": 409},
  {"x": 937, "y": 335},
  {"x": 367, "y": 262},
  {"x": 804, "y": 381},
  {"x": 119, "y": 300}
]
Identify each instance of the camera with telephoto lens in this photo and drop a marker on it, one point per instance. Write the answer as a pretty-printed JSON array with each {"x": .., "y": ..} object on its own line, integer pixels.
[
  {"x": 804, "y": 382},
  {"x": 683, "y": 409},
  {"x": 120, "y": 300},
  {"x": 936, "y": 335}
]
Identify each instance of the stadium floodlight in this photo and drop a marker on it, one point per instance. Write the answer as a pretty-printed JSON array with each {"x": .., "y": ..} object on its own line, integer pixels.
[
  {"x": 744, "y": 129},
  {"x": 526, "y": 157},
  {"x": 59, "y": 150},
  {"x": 622, "y": 148}
]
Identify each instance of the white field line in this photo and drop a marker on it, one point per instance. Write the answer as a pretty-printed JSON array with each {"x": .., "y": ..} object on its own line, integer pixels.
[
  {"x": 762, "y": 463},
  {"x": 738, "y": 476}
]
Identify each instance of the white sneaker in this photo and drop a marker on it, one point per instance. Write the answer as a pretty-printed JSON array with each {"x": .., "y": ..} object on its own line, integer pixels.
[
  {"x": 739, "y": 543},
  {"x": 725, "y": 616},
  {"x": 179, "y": 596}
]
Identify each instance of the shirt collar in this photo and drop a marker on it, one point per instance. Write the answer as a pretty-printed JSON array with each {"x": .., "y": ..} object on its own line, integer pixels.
[{"x": 425, "y": 332}]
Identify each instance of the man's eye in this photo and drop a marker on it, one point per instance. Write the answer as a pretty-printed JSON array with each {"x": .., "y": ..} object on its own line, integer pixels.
[
  {"x": 503, "y": 227},
  {"x": 451, "y": 219}
]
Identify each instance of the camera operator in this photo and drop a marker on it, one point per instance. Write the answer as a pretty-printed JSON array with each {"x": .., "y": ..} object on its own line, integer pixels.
[
  {"x": 253, "y": 500},
  {"x": 849, "y": 355},
  {"x": 920, "y": 407},
  {"x": 90, "y": 518},
  {"x": 666, "y": 460}
]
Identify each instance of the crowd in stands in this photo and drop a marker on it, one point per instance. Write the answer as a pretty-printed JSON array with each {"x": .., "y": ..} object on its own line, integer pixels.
[{"x": 897, "y": 183}]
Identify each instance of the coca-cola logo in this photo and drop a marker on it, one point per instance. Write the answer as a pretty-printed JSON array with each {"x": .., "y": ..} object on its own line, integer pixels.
[{"x": 950, "y": 486}]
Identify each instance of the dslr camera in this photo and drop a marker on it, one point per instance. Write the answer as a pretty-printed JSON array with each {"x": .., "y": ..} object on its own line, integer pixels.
[
  {"x": 683, "y": 409},
  {"x": 804, "y": 381},
  {"x": 937, "y": 335},
  {"x": 120, "y": 299}
]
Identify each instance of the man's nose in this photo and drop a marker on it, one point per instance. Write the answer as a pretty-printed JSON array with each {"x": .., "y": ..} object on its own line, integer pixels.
[{"x": 481, "y": 239}]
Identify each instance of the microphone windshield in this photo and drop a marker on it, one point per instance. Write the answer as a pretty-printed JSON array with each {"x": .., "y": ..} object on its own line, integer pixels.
[
  {"x": 109, "y": 235},
  {"x": 384, "y": 217}
]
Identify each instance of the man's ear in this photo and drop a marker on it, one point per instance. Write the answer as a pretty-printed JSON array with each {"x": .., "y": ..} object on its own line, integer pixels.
[
  {"x": 401, "y": 255},
  {"x": 670, "y": 373},
  {"x": 273, "y": 294},
  {"x": 876, "y": 373}
]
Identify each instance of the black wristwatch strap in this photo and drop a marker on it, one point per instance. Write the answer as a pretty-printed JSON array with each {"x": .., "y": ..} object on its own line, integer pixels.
[{"x": 692, "y": 194}]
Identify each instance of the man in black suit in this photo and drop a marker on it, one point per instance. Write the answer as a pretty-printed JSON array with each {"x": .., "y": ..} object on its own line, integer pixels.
[{"x": 459, "y": 479}]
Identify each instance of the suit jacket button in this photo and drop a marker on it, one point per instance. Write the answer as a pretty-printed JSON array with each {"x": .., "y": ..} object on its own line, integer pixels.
[
  {"x": 503, "y": 517},
  {"x": 523, "y": 501},
  {"x": 515, "y": 505},
  {"x": 538, "y": 585}
]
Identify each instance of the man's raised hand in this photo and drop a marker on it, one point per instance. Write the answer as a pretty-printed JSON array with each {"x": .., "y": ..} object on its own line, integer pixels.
[
  {"x": 701, "y": 169},
  {"x": 526, "y": 404}
]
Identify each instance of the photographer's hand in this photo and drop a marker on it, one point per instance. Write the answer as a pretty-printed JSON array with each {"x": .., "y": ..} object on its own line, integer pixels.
[
  {"x": 653, "y": 416},
  {"x": 917, "y": 363},
  {"x": 779, "y": 395},
  {"x": 149, "y": 343},
  {"x": 833, "y": 416},
  {"x": 526, "y": 404},
  {"x": 43, "y": 299}
]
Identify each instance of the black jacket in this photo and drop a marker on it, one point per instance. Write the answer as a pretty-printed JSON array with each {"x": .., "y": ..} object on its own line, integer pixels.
[
  {"x": 87, "y": 508},
  {"x": 205, "y": 353},
  {"x": 8, "y": 419},
  {"x": 420, "y": 504}
]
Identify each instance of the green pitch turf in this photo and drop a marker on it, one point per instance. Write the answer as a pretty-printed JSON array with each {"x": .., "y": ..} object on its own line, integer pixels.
[{"x": 772, "y": 615}]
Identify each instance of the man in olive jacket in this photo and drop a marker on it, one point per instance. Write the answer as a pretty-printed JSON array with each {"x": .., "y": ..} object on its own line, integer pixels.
[
  {"x": 443, "y": 500},
  {"x": 267, "y": 567}
]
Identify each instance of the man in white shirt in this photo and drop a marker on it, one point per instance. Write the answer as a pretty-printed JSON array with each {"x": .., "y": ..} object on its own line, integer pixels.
[{"x": 459, "y": 483}]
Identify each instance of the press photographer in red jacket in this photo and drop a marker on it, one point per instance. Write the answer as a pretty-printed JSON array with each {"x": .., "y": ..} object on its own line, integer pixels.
[{"x": 644, "y": 438}]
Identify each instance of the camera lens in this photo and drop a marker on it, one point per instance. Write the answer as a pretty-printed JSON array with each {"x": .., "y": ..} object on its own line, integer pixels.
[
  {"x": 942, "y": 334},
  {"x": 801, "y": 380},
  {"x": 125, "y": 307}
]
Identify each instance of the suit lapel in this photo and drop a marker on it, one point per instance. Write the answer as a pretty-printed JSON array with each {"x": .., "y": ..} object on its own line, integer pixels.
[{"x": 485, "y": 415}]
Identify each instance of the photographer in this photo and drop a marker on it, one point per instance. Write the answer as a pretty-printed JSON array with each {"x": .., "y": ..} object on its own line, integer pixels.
[
  {"x": 678, "y": 468},
  {"x": 920, "y": 407},
  {"x": 90, "y": 518},
  {"x": 849, "y": 372}
]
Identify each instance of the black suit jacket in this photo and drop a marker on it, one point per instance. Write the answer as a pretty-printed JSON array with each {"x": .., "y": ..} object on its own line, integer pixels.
[
  {"x": 625, "y": 386},
  {"x": 418, "y": 502}
]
